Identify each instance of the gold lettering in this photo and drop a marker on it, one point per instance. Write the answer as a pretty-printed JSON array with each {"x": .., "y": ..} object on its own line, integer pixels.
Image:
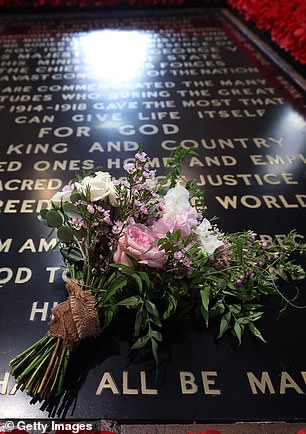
[
  {"x": 188, "y": 384},
  {"x": 5, "y": 245},
  {"x": 4, "y": 383},
  {"x": 262, "y": 384},
  {"x": 143, "y": 383},
  {"x": 52, "y": 271},
  {"x": 43, "y": 311},
  {"x": 207, "y": 383},
  {"x": 287, "y": 382},
  {"x": 125, "y": 388},
  {"x": 245, "y": 200},
  {"x": 107, "y": 382}
]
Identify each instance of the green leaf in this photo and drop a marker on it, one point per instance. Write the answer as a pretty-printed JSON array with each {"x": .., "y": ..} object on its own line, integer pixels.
[
  {"x": 231, "y": 286},
  {"x": 177, "y": 235},
  {"x": 141, "y": 342},
  {"x": 43, "y": 213},
  {"x": 153, "y": 312},
  {"x": 108, "y": 316},
  {"x": 72, "y": 254},
  {"x": 124, "y": 267},
  {"x": 71, "y": 210},
  {"x": 254, "y": 330},
  {"x": 238, "y": 331},
  {"x": 75, "y": 196},
  {"x": 156, "y": 335},
  {"x": 138, "y": 281},
  {"x": 244, "y": 321},
  {"x": 65, "y": 234},
  {"x": 224, "y": 324},
  {"x": 154, "y": 346},
  {"x": 217, "y": 309},
  {"x": 205, "y": 293},
  {"x": 54, "y": 219},
  {"x": 205, "y": 315},
  {"x": 255, "y": 316},
  {"x": 144, "y": 277},
  {"x": 235, "y": 308},
  {"x": 172, "y": 304},
  {"x": 129, "y": 302},
  {"x": 140, "y": 316},
  {"x": 240, "y": 249},
  {"x": 153, "y": 245},
  {"x": 115, "y": 286},
  {"x": 252, "y": 306},
  {"x": 133, "y": 260},
  {"x": 229, "y": 293}
]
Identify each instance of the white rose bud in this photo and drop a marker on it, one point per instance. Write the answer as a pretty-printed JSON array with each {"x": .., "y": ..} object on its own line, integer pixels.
[{"x": 61, "y": 197}]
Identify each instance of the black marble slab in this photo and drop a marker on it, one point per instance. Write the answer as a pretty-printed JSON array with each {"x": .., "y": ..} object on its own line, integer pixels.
[{"x": 81, "y": 92}]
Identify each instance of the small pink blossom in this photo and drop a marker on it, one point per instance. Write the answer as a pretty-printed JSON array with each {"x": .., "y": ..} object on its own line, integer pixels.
[
  {"x": 141, "y": 156},
  {"x": 149, "y": 174},
  {"x": 107, "y": 218},
  {"x": 136, "y": 241},
  {"x": 91, "y": 209},
  {"x": 77, "y": 223},
  {"x": 129, "y": 168},
  {"x": 117, "y": 227},
  {"x": 179, "y": 255}
]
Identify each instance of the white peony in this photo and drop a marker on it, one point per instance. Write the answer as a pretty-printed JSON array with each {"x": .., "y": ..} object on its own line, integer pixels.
[
  {"x": 100, "y": 185},
  {"x": 208, "y": 241},
  {"x": 176, "y": 202}
]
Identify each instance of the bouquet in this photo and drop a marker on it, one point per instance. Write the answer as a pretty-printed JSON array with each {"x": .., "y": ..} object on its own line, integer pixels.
[{"x": 147, "y": 246}]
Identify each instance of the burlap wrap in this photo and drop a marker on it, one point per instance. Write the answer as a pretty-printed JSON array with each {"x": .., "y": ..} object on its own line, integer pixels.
[{"x": 76, "y": 318}]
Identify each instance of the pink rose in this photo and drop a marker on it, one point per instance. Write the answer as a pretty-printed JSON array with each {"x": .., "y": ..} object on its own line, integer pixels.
[{"x": 135, "y": 242}]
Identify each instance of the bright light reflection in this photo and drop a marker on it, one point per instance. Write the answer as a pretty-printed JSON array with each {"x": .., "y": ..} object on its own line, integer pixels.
[
  {"x": 114, "y": 55},
  {"x": 290, "y": 128},
  {"x": 295, "y": 120}
]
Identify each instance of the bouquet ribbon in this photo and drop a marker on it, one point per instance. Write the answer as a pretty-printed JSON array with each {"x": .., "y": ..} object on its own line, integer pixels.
[{"x": 76, "y": 318}]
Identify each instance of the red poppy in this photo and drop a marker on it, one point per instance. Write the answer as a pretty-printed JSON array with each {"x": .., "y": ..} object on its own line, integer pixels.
[{"x": 285, "y": 20}]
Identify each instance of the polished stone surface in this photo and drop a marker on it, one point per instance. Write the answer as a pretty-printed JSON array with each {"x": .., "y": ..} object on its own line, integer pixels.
[{"x": 77, "y": 93}]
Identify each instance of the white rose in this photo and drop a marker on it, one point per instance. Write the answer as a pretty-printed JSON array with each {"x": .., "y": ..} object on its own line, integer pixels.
[
  {"x": 61, "y": 196},
  {"x": 208, "y": 241},
  {"x": 100, "y": 185}
]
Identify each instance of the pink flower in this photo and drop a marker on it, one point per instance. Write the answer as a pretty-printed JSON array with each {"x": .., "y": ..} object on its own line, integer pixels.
[
  {"x": 129, "y": 168},
  {"x": 177, "y": 214},
  {"x": 91, "y": 209},
  {"x": 135, "y": 242},
  {"x": 141, "y": 157},
  {"x": 185, "y": 222}
]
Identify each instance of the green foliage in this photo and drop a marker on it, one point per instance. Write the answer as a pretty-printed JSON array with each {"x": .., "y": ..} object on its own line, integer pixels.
[
  {"x": 175, "y": 163},
  {"x": 53, "y": 219},
  {"x": 65, "y": 234},
  {"x": 71, "y": 210},
  {"x": 227, "y": 288}
]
